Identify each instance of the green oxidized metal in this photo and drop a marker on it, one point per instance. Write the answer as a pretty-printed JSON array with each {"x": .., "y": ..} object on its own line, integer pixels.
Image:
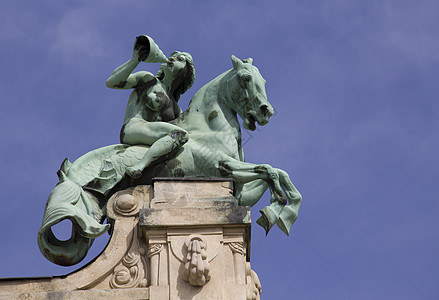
[{"x": 160, "y": 141}]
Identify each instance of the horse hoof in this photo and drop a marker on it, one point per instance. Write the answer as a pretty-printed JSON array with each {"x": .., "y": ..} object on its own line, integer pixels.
[
  {"x": 284, "y": 226},
  {"x": 264, "y": 223},
  {"x": 287, "y": 217},
  {"x": 269, "y": 217}
]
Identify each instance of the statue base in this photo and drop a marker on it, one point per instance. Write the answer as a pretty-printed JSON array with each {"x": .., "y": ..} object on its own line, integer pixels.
[{"x": 177, "y": 239}]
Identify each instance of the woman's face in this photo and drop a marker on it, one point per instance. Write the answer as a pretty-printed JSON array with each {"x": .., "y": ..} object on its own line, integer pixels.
[{"x": 175, "y": 64}]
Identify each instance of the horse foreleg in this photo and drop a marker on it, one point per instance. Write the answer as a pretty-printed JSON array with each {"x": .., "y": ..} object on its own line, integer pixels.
[
  {"x": 288, "y": 214},
  {"x": 256, "y": 179},
  {"x": 244, "y": 173},
  {"x": 251, "y": 175},
  {"x": 283, "y": 215},
  {"x": 250, "y": 193}
]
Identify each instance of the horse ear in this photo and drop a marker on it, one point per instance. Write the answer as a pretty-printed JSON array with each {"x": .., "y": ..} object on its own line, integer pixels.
[
  {"x": 61, "y": 176},
  {"x": 65, "y": 166},
  {"x": 248, "y": 60},
  {"x": 236, "y": 62}
]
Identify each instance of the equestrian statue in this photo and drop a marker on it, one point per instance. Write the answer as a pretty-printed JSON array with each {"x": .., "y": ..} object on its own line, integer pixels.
[{"x": 159, "y": 140}]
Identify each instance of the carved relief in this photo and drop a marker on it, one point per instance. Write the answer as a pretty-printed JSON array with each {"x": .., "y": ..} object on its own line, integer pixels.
[
  {"x": 237, "y": 247},
  {"x": 131, "y": 272},
  {"x": 154, "y": 255},
  {"x": 154, "y": 249},
  {"x": 126, "y": 205},
  {"x": 196, "y": 266},
  {"x": 254, "y": 288},
  {"x": 238, "y": 251}
]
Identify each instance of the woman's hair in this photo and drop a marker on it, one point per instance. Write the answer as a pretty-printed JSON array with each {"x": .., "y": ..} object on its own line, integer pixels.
[{"x": 188, "y": 75}]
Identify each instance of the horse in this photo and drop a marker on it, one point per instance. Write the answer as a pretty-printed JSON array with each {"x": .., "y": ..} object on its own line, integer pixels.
[{"x": 213, "y": 149}]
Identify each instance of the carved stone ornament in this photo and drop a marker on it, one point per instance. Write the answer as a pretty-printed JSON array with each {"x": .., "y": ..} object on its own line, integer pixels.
[
  {"x": 196, "y": 266},
  {"x": 154, "y": 249},
  {"x": 254, "y": 288},
  {"x": 237, "y": 247},
  {"x": 126, "y": 205},
  {"x": 131, "y": 272}
]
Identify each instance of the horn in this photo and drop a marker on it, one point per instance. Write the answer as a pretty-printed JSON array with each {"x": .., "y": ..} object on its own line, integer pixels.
[{"x": 155, "y": 55}]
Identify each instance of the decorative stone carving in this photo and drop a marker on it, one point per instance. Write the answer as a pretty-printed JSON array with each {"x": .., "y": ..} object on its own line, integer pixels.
[
  {"x": 146, "y": 257},
  {"x": 237, "y": 247},
  {"x": 131, "y": 272},
  {"x": 154, "y": 256},
  {"x": 254, "y": 288},
  {"x": 128, "y": 202},
  {"x": 210, "y": 224},
  {"x": 121, "y": 266},
  {"x": 238, "y": 261},
  {"x": 154, "y": 249},
  {"x": 126, "y": 205},
  {"x": 196, "y": 266}
]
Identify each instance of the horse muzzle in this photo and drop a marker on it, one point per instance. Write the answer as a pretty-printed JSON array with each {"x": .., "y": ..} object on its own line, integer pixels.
[
  {"x": 265, "y": 112},
  {"x": 262, "y": 117}
]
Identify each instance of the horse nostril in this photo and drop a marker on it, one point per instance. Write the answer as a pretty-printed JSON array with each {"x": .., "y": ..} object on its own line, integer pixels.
[{"x": 264, "y": 109}]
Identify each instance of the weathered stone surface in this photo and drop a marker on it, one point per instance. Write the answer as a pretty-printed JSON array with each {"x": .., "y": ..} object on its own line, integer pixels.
[
  {"x": 131, "y": 294},
  {"x": 219, "y": 213},
  {"x": 176, "y": 192},
  {"x": 202, "y": 255}
]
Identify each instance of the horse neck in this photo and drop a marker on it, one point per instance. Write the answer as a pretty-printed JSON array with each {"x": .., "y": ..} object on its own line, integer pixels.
[
  {"x": 211, "y": 95},
  {"x": 212, "y": 88}
]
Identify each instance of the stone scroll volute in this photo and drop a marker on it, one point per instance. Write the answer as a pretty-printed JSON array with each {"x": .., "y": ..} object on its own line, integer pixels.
[{"x": 131, "y": 273}]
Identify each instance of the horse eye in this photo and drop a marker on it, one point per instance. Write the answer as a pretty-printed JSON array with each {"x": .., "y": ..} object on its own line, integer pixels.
[{"x": 245, "y": 78}]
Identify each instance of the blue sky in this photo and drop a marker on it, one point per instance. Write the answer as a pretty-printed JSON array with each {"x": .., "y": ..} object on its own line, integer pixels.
[{"x": 355, "y": 88}]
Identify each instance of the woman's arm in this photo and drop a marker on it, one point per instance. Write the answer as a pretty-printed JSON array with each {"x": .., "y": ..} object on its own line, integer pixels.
[{"x": 122, "y": 77}]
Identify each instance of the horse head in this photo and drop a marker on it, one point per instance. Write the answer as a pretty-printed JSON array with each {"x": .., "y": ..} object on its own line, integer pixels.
[{"x": 246, "y": 91}]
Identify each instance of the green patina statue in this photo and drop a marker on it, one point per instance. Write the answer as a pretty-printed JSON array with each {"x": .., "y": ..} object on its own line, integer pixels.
[
  {"x": 160, "y": 141},
  {"x": 153, "y": 102}
]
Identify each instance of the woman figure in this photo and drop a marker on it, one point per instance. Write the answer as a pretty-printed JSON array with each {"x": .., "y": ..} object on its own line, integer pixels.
[{"x": 153, "y": 103}]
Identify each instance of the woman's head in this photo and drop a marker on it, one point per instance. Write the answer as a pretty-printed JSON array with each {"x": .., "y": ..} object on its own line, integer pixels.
[{"x": 181, "y": 66}]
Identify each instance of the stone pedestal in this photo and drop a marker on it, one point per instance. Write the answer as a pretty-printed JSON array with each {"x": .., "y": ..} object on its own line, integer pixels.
[
  {"x": 176, "y": 240},
  {"x": 198, "y": 241}
]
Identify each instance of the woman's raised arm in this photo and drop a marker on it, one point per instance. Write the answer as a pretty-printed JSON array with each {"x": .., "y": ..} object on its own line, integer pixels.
[{"x": 121, "y": 78}]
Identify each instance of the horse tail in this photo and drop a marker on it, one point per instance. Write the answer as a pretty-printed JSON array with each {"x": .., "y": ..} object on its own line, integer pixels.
[{"x": 69, "y": 201}]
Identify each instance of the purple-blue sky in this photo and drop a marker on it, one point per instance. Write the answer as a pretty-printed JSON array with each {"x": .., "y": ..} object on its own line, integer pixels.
[{"x": 355, "y": 87}]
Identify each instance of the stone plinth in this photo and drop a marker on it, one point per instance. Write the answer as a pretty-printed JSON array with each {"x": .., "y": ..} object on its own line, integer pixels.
[
  {"x": 206, "y": 217},
  {"x": 176, "y": 240}
]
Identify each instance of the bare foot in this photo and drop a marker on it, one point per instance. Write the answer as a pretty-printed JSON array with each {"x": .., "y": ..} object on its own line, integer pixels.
[{"x": 134, "y": 172}]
